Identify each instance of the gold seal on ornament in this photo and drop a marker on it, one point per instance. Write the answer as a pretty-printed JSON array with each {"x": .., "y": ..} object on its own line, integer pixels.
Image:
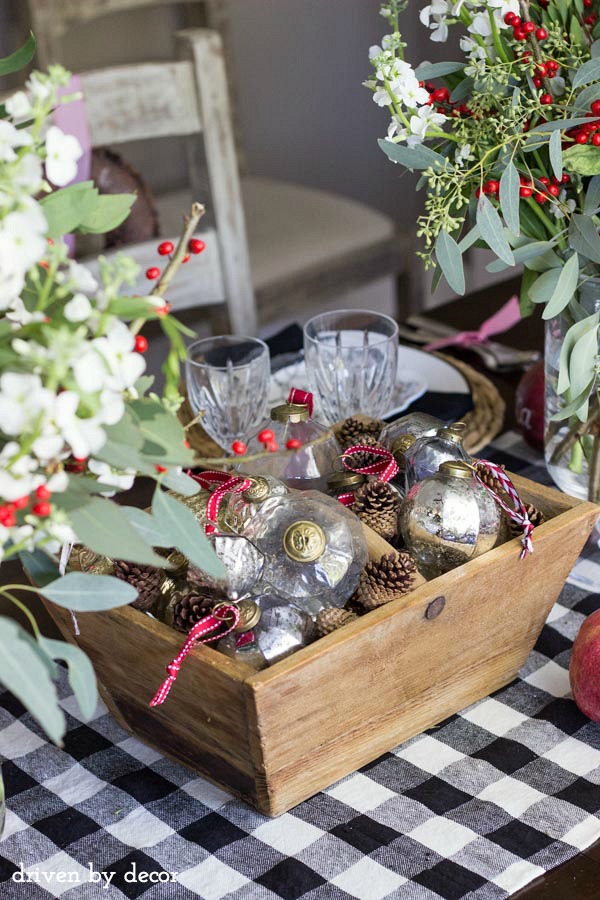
[
  {"x": 258, "y": 490},
  {"x": 304, "y": 541},
  {"x": 249, "y": 615}
]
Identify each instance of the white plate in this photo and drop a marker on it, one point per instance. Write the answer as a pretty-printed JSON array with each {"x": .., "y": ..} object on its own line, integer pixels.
[{"x": 418, "y": 372}]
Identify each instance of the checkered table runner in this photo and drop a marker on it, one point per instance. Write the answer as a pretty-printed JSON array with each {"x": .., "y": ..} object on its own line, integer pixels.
[{"x": 475, "y": 808}]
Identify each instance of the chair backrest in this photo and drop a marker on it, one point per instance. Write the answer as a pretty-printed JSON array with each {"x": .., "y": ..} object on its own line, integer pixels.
[{"x": 187, "y": 97}]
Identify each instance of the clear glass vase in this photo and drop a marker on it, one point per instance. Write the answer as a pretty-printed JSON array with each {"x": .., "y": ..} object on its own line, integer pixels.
[{"x": 572, "y": 447}]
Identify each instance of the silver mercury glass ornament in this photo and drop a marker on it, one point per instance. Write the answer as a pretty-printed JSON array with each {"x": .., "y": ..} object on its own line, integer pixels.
[
  {"x": 418, "y": 424},
  {"x": 448, "y": 519},
  {"x": 280, "y": 630},
  {"x": 243, "y": 566},
  {"x": 238, "y": 509},
  {"x": 426, "y": 455}
]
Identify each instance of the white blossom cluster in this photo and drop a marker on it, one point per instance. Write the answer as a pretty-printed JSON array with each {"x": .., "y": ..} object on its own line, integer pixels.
[
  {"x": 480, "y": 21},
  {"x": 68, "y": 364}
]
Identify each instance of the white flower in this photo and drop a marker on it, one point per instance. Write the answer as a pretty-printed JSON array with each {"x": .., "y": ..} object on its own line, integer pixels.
[
  {"x": 83, "y": 436},
  {"x": 462, "y": 155},
  {"x": 20, "y": 315},
  {"x": 82, "y": 278},
  {"x": 382, "y": 98},
  {"x": 39, "y": 86},
  {"x": 434, "y": 17},
  {"x": 419, "y": 123},
  {"x": 27, "y": 173},
  {"x": 396, "y": 129},
  {"x": 557, "y": 211},
  {"x": 110, "y": 361},
  {"x": 18, "y": 106},
  {"x": 22, "y": 398},
  {"x": 107, "y": 475},
  {"x": 27, "y": 244},
  {"x": 406, "y": 87},
  {"x": 78, "y": 309},
  {"x": 11, "y": 137},
  {"x": 17, "y": 481},
  {"x": 62, "y": 152}
]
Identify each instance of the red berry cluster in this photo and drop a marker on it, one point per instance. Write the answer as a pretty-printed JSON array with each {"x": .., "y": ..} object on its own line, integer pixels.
[
  {"x": 77, "y": 465},
  {"x": 41, "y": 507},
  {"x": 267, "y": 439},
  {"x": 590, "y": 19},
  {"x": 441, "y": 98},
  {"x": 166, "y": 248},
  {"x": 522, "y": 30},
  {"x": 589, "y": 132}
]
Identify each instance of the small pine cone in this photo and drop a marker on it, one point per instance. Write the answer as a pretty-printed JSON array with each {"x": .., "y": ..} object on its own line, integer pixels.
[
  {"x": 363, "y": 458},
  {"x": 536, "y": 517},
  {"x": 488, "y": 478},
  {"x": 353, "y": 431},
  {"x": 329, "y": 620},
  {"x": 376, "y": 504},
  {"x": 189, "y": 608},
  {"x": 386, "y": 580},
  {"x": 145, "y": 579}
]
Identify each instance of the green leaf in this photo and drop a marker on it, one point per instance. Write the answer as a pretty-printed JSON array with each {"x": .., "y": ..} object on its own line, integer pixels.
[
  {"x": 132, "y": 308},
  {"x": 24, "y": 672},
  {"x": 126, "y": 431},
  {"x": 588, "y": 72},
  {"x": 39, "y": 566},
  {"x": 186, "y": 533},
  {"x": 147, "y": 526},
  {"x": 526, "y": 305},
  {"x": 547, "y": 260},
  {"x": 543, "y": 288},
  {"x": 81, "y": 672},
  {"x": 428, "y": 71},
  {"x": 180, "y": 482},
  {"x": 595, "y": 50},
  {"x": 163, "y": 430},
  {"x": 450, "y": 259},
  {"x": 109, "y": 211},
  {"x": 582, "y": 158},
  {"x": 523, "y": 254},
  {"x": 64, "y": 209},
  {"x": 510, "y": 198},
  {"x": 582, "y": 363},
  {"x": 555, "y": 151},
  {"x": 574, "y": 333},
  {"x": 82, "y": 592},
  {"x": 577, "y": 407},
  {"x": 469, "y": 239},
  {"x": 463, "y": 90},
  {"x": 583, "y": 237},
  {"x": 103, "y": 526},
  {"x": 419, "y": 157},
  {"x": 592, "y": 197},
  {"x": 565, "y": 287},
  {"x": 19, "y": 59},
  {"x": 492, "y": 230}
]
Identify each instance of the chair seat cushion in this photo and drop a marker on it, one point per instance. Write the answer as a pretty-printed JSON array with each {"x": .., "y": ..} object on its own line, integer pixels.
[{"x": 291, "y": 228}]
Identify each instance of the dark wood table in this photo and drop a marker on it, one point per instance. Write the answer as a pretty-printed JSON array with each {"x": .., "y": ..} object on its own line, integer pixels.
[{"x": 578, "y": 879}]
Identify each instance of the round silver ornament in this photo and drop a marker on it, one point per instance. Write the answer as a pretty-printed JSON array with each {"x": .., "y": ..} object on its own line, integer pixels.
[{"x": 426, "y": 455}]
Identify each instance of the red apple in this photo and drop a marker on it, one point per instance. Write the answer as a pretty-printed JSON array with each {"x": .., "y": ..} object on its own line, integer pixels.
[
  {"x": 584, "y": 670},
  {"x": 529, "y": 406}
]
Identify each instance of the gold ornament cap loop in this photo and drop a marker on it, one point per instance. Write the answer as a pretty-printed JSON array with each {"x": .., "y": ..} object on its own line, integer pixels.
[
  {"x": 454, "y": 432},
  {"x": 455, "y": 467},
  {"x": 402, "y": 443},
  {"x": 259, "y": 490},
  {"x": 304, "y": 541},
  {"x": 345, "y": 479},
  {"x": 290, "y": 412},
  {"x": 250, "y": 614}
]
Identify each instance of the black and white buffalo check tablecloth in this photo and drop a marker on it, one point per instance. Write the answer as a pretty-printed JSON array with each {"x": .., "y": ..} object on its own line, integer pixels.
[{"x": 475, "y": 808}]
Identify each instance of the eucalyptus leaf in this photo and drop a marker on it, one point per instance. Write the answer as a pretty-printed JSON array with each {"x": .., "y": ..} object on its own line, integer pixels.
[
  {"x": 428, "y": 71},
  {"x": 147, "y": 526},
  {"x": 583, "y": 237},
  {"x": 462, "y": 90},
  {"x": 19, "y": 59},
  {"x": 39, "y": 566},
  {"x": 81, "y": 672},
  {"x": 574, "y": 333},
  {"x": 582, "y": 364},
  {"x": 523, "y": 254},
  {"x": 469, "y": 239},
  {"x": 555, "y": 151},
  {"x": 526, "y": 305},
  {"x": 24, "y": 672},
  {"x": 186, "y": 533},
  {"x": 419, "y": 157},
  {"x": 547, "y": 260},
  {"x": 510, "y": 197},
  {"x": 588, "y": 72},
  {"x": 161, "y": 428},
  {"x": 180, "y": 482},
  {"x": 577, "y": 407},
  {"x": 82, "y": 592},
  {"x": 592, "y": 197},
  {"x": 543, "y": 288},
  {"x": 565, "y": 287},
  {"x": 492, "y": 230},
  {"x": 595, "y": 50},
  {"x": 103, "y": 526},
  {"x": 450, "y": 259}
]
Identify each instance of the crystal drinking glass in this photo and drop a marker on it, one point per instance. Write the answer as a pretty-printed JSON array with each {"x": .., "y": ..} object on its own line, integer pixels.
[
  {"x": 227, "y": 379},
  {"x": 351, "y": 357}
]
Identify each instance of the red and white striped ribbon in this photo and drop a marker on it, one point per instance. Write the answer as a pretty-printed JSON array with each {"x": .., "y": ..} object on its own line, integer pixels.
[
  {"x": 385, "y": 469},
  {"x": 346, "y": 499},
  {"x": 302, "y": 398},
  {"x": 518, "y": 512},
  {"x": 198, "y": 635},
  {"x": 219, "y": 484}
]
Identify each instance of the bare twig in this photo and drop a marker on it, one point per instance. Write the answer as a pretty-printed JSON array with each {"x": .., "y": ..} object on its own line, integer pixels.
[{"x": 537, "y": 53}]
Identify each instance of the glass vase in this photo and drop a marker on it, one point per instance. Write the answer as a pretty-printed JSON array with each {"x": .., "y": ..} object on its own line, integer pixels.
[{"x": 572, "y": 447}]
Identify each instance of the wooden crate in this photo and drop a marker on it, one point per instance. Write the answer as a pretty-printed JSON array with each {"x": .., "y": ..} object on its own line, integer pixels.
[{"x": 276, "y": 737}]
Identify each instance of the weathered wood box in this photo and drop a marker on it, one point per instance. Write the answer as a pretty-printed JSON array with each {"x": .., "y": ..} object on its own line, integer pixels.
[{"x": 276, "y": 737}]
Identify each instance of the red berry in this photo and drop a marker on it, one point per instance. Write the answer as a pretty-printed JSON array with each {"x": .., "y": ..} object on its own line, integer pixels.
[
  {"x": 195, "y": 245},
  {"x": 141, "y": 344},
  {"x": 239, "y": 448},
  {"x": 541, "y": 198},
  {"x": 554, "y": 190},
  {"x": 186, "y": 258},
  {"x": 596, "y": 140},
  {"x": 519, "y": 34},
  {"x": 544, "y": 180},
  {"x": 509, "y": 18},
  {"x": 272, "y": 446},
  {"x": 587, "y": 3},
  {"x": 21, "y": 502},
  {"x": 528, "y": 27},
  {"x": 537, "y": 81},
  {"x": 595, "y": 107},
  {"x": 80, "y": 459},
  {"x": 546, "y": 99},
  {"x": 581, "y": 137},
  {"x": 160, "y": 469},
  {"x": 266, "y": 435},
  {"x": 187, "y": 444},
  {"x": 491, "y": 187},
  {"x": 516, "y": 21},
  {"x": 163, "y": 310},
  {"x": 541, "y": 70},
  {"x": 525, "y": 192},
  {"x": 293, "y": 444},
  {"x": 541, "y": 34},
  {"x": 41, "y": 509},
  {"x": 441, "y": 95},
  {"x": 152, "y": 273},
  {"x": 165, "y": 248},
  {"x": 566, "y": 178},
  {"x": 42, "y": 492},
  {"x": 478, "y": 192},
  {"x": 526, "y": 126}
]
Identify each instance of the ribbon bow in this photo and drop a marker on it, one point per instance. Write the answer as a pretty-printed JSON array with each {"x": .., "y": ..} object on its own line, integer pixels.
[
  {"x": 201, "y": 633},
  {"x": 518, "y": 512},
  {"x": 385, "y": 468},
  {"x": 301, "y": 398},
  {"x": 507, "y": 316},
  {"x": 219, "y": 484}
]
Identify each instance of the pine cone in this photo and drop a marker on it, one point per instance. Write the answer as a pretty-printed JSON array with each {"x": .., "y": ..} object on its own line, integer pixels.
[
  {"x": 488, "y": 478},
  {"x": 363, "y": 457},
  {"x": 145, "y": 579},
  {"x": 376, "y": 504},
  {"x": 188, "y": 608},
  {"x": 536, "y": 517},
  {"x": 386, "y": 580},
  {"x": 353, "y": 431},
  {"x": 329, "y": 620}
]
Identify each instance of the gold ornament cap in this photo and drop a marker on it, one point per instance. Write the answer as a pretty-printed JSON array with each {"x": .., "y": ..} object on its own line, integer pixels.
[
  {"x": 249, "y": 616},
  {"x": 304, "y": 541},
  {"x": 345, "y": 479},
  {"x": 402, "y": 443},
  {"x": 455, "y": 467},
  {"x": 454, "y": 432},
  {"x": 290, "y": 412},
  {"x": 258, "y": 491}
]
